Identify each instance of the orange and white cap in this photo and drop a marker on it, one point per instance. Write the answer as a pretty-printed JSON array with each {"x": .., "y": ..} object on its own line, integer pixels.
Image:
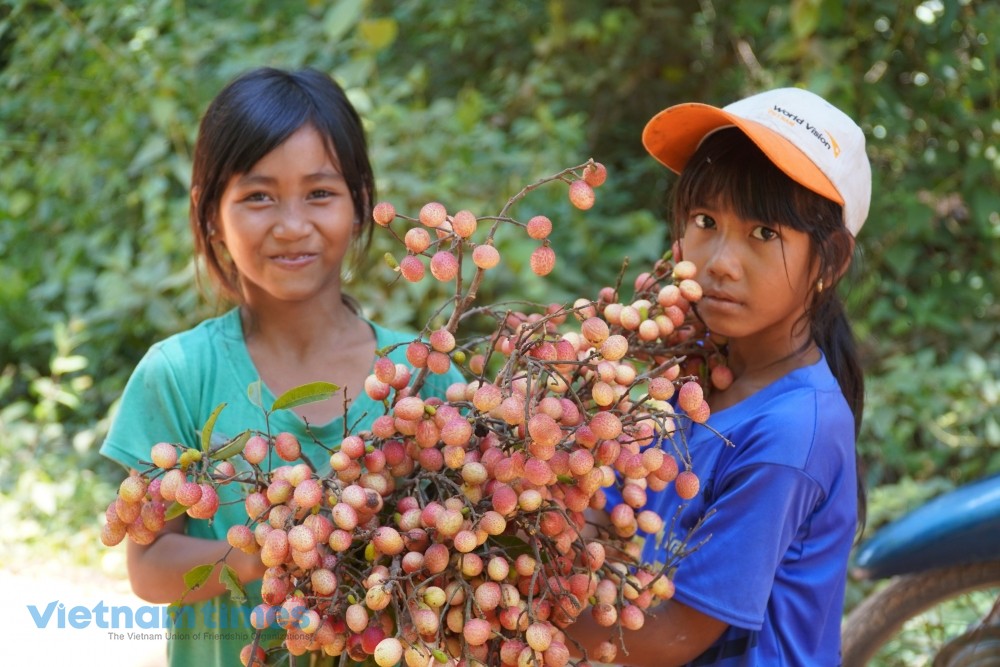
[{"x": 813, "y": 142}]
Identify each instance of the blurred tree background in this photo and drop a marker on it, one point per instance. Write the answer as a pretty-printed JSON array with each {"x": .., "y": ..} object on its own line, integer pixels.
[{"x": 466, "y": 102}]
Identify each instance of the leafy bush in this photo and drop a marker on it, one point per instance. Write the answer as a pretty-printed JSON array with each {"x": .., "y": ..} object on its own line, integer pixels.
[{"x": 100, "y": 103}]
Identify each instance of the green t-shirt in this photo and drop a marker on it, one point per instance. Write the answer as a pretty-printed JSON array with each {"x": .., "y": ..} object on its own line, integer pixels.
[{"x": 170, "y": 396}]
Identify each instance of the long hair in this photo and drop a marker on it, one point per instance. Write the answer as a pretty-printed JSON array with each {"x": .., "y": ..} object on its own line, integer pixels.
[
  {"x": 729, "y": 169},
  {"x": 254, "y": 114}
]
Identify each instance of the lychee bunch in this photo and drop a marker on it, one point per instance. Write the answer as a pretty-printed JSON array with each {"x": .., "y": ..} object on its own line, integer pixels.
[{"x": 453, "y": 529}]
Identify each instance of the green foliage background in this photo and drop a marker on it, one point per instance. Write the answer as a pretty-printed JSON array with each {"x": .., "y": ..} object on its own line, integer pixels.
[{"x": 466, "y": 102}]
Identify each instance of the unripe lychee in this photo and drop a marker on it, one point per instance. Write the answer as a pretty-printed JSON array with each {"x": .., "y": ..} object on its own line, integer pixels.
[
  {"x": 464, "y": 223},
  {"x": 256, "y": 449},
  {"x": 416, "y": 354},
  {"x": 538, "y": 636},
  {"x": 417, "y": 239},
  {"x": 376, "y": 389},
  {"x": 614, "y": 347},
  {"x": 132, "y": 489},
  {"x": 701, "y": 413},
  {"x": 433, "y": 214},
  {"x": 687, "y": 485},
  {"x": 606, "y": 425},
  {"x": 595, "y": 174},
  {"x": 444, "y": 266},
  {"x": 442, "y": 340},
  {"x": 301, "y": 538},
  {"x": 543, "y": 260},
  {"x": 544, "y": 429},
  {"x": 539, "y": 227},
  {"x": 650, "y": 522},
  {"x": 241, "y": 537},
  {"x": 485, "y": 256},
  {"x": 286, "y": 446},
  {"x": 690, "y": 290},
  {"x": 251, "y": 653},
  {"x": 476, "y": 631},
  {"x": 112, "y": 533},
  {"x": 388, "y": 541},
  {"x": 188, "y": 493},
  {"x": 685, "y": 270},
  {"x": 581, "y": 195},
  {"x": 595, "y": 330},
  {"x": 388, "y": 652},
  {"x": 163, "y": 455},
  {"x": 690, "y": 396},
  {"x": 411, "y": 268},
  {"x": 383, "y": 213},
  {"x": 722, "y": 377},
  {"x": 487, "y": 397}
]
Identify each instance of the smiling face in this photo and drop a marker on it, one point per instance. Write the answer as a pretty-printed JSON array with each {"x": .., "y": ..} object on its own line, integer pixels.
[
  {"x": 288, "y": 222},
  {"x": 756, "y": 276}
]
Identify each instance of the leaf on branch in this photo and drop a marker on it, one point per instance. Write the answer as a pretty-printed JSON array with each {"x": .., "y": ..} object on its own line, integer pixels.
[
  {"x": 174, "y": 511},
  {"x": 206, "y": 431},
  {"x": 196, "y": 577},
  {"x": 307, "y": 393},
  {"x": 254, "y": 393},
  {"x": 231, "y": 581},
  {"x": 233, "y": 447},
  {"x": 514, "y": 546},
  {"x": 341, "y": 17}
]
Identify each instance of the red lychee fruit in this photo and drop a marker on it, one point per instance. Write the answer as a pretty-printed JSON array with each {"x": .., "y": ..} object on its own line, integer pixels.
[
  {"x": 543, "y": 260},
  {"x": 581, "y": 195},
  {"x": 687, "y": 485},
  {"x": 383, "y": 213},
  {"x": 433, "y": 214}
]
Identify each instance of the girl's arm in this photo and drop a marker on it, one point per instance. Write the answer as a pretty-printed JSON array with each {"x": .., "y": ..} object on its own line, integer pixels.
[
  {"x": 677, "y": 635},
  {"x": 156, "y": 571}
]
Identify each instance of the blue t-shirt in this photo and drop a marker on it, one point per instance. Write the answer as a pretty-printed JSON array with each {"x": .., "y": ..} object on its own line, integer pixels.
[{"x": 784, "y": 506}]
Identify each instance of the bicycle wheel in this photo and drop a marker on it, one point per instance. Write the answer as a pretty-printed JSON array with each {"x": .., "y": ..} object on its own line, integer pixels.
[{"x": 945, "y": 618}]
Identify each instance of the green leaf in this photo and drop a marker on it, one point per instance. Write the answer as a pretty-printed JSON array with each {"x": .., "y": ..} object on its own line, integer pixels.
[
  {"x": 174, "y": 511},
  {"x": 341, "y": 17},
  {"x": 206, "y": 432},
  {"x": 197, "y": 576},
  {"x": 514, "y": 546},
  {"x": 805, "y": 17},
  {"x": 254, "y": 393},
  {"x": 379, "y": 33},
  {"x": 233, "y": 447},
  {"x": 231, "y": 581},
  {"x": 70, "y": 364},
  {"x": 307, "y": 393}
]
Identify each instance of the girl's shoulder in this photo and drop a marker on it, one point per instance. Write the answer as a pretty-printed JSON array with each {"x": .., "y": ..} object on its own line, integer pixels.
[
  {"x": 213, "y": 338},
  {"x": 801, "y": 421}
]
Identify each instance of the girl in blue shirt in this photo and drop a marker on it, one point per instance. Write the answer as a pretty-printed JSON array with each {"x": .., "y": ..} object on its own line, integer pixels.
[{"x": 772, "y": 191}]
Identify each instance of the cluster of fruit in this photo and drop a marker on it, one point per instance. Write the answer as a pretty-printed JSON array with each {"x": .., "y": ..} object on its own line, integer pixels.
[{"x": 456, "y": 528}]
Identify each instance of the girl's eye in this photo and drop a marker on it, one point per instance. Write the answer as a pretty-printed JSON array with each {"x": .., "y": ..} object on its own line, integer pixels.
[
  {"x": 764, "y": 233},
  {"x": 320, "y": 194},
  {"x": 255, "y": 197},
  {"x": 702, "y": 221}
]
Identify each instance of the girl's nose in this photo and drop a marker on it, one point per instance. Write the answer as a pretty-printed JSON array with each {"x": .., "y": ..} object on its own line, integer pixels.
[
  {"x": 723, "y": 259},
  {"x": 292, "y": 223}
]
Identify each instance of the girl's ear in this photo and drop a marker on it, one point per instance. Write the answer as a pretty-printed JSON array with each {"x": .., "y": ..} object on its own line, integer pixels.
[
  {"x": 212, "y": 234},
  {"x": 677, "y": 250},
  {"x": 845, "y": 265}
]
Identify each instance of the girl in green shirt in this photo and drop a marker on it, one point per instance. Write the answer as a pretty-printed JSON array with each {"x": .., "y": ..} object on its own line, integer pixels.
[{"x": 282, "y": 188}]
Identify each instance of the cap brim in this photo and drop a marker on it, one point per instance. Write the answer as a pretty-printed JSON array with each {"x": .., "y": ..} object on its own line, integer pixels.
[{"x": 673, "y": 135}]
